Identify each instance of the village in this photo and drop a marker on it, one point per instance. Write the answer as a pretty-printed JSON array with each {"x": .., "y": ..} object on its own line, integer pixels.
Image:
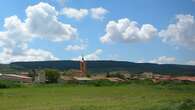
[{"x": 82, "y": 76}]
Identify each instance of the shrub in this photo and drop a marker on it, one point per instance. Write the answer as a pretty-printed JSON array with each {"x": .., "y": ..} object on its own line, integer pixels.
[
  {"x": 88, "y": 75},
  {"x": 186, "y": 104},
  {"x": 107, "y": 74},
  {"x": 9, "y": 84},
  {"x": 52, "y": 75}
]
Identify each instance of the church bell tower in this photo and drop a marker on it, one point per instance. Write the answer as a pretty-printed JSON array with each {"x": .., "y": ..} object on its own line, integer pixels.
[{"x": 83, "y": 67}]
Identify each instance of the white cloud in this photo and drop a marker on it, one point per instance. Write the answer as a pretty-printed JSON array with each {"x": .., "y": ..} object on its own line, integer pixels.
[
  {"x": 75, "y": 13},
  {"x": 16, "y": 34},
  {"x": 140, "y": 61},
  {"x": 181, "y": 33},
  {"x": 8, "y": 55},
  {"x": 164, "y": 60},
  {"x": 113, "y": 56},
  {"x": 191, "y": 62},
  {"x": 92, "y": 56},
  {"x": 42, "y": 21},
  {"x": 98, "y": 13},
  {"x": 80, "y": 44},
  {"x": 75, "y": 47},
  {"x": 127, "y": 31}
]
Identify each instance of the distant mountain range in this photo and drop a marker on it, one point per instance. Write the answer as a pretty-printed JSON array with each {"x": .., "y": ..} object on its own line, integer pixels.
[{"x": 100, "y": 67}]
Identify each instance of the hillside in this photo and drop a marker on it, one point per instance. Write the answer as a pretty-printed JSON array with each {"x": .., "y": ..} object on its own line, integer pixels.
[{"x": 101, "y": 66}]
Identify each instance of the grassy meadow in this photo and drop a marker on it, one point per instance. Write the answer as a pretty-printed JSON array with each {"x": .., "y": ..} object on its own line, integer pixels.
[{"x": 85, "y": 97}]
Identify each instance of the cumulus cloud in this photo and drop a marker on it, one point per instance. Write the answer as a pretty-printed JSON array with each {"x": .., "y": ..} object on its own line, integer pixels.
[
  {"x": 7, "y": 55},
  {"x": 98, "y": 13},
  {"x": 75, "y": 13},
  {"x": 75, "y": 47},
  {"x": 181, "y": 33},
  {"x": 164, "y": 60},
  {"x": 80, "y": 44},
  {"x": 92, "y": 56},
  {"x": 42, "y": 21},
  {"x": 15, "y": 34},
  {"x": 191, "y": 62},
  {"x": 127, "y": 31},
  {"x": 140, "y": 61}
]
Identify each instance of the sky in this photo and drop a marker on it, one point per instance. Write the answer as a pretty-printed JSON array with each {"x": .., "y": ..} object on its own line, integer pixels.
[{"x": 152, "y": 31}]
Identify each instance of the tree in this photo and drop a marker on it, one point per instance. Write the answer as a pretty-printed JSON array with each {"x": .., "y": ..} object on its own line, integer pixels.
[
  {"x": 52, "y": 75},
  {"x": 107, "y": 74},
  {"x": 88, "y": 75}
]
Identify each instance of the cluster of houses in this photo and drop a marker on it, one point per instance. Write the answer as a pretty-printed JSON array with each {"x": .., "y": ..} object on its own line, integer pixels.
[
  {"x": 15, "y": 77},
  {"x": 41, "y": 78},
  {"x": 80, "y": 75},
  {"x": 157, "y": 77}
]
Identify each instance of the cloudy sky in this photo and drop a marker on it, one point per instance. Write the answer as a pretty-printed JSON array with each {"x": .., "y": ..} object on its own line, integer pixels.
[{"x": 154, "y": 31}]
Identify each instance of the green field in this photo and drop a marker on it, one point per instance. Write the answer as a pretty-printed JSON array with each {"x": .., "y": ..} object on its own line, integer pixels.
[{"x": 83, "y": 97}]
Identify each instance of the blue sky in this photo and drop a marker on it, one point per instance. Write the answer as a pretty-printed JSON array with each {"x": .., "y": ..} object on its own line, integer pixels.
[{"x": 146, "y": 36}]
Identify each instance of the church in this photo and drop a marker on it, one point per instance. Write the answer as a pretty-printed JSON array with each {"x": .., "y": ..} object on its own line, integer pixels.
[{"x": 82, "y": 67}]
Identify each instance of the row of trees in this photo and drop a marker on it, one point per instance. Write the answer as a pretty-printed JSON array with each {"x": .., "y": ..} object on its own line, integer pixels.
[{"x": 52, "y": 75}]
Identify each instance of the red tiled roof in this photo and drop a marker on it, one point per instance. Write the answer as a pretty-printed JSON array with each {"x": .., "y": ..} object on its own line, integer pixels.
[{"x": 185, "y": 78}]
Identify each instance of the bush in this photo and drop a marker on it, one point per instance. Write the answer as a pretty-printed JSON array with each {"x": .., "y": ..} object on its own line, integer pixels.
[
  {"x": 119, "y": 75},
  {"x": 141, "y": 82},
  {"x": 186, "y": 104},
  {"x": 88, "y": 75},
  {"x": 96, "y": 83},
  {"x": 107, "y": 74},
  {"x": 52, "y": 75},
  {"x": 9, "y": 84}
]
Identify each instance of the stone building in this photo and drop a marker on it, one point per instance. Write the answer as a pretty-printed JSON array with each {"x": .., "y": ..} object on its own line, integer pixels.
[{"x": 82, "y": 67}]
